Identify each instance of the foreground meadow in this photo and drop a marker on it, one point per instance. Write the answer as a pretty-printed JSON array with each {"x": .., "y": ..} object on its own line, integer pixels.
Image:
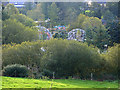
[{"x": 10, "y": 82}]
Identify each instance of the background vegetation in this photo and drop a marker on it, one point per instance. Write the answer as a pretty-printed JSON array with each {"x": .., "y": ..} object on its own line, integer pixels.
[{"x": 65, "y": 58}]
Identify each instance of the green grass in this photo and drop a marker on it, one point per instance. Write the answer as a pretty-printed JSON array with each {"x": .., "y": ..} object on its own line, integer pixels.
[{"x": 10, "y": 82}]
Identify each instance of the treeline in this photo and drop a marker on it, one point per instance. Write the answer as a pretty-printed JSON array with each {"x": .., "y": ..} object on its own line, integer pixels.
[
  {"x": 68, "y": 11},
  {"x": 68, "y": 14},
  {"x": 65, "y": 58},
  {"x": 100, "y": 22}
]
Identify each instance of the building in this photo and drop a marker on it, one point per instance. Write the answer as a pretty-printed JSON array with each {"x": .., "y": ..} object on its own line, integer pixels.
[{"x": 18, "y": 3}]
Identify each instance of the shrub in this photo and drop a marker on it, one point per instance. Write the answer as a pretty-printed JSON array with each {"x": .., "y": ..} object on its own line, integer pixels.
[
  {"x": 64, "y": 57},
  {"x": 47, "y": 73},
  {"x": 112, "y": 60},
  {"x": 69, "y": 57},
  {"x": 15, "y": 70},
  {"x": 16, "y": 32}
]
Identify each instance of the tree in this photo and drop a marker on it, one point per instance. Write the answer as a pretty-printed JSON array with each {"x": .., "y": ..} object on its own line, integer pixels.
[
  {"x": 96, "y": 33},
  {"x": 112, "y": 59},
  {"x": 65, "y": 58},
  {"x": 14, "y": 31},
  {"x": 11, "y": 10},
  {"x": 26, "y": 53},
  {"x": 53, "y": 14},
  {"x": 113, "y": 7},
  {"x": 23, "y": 19},
  {"x": 44, "y": 6},
  {"x": 112, "y": 23},
  {"x": 36, "y": 13},
  {"x": 96, "y": 10},
  {"x": 4, "y": 14},
  {"x": 114, "y": 31},
  {"x": 78, "y": 23},
  {"x": 89, "y": 13},
  {"x": 70, "y": 15},
  {"x": 29, "y": 5},
  {"x": 60, "y": 34},
  {"x": 69, "y": 58},
  {"x": 78, "y": 35}
]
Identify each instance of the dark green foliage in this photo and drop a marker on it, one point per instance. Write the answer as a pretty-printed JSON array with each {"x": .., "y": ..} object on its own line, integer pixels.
[
  {"x": 113, "y": 7},
  {"x": 4, "y": 14},
  {"x": 16, "y": 32},
  {"x": 96, "y": 33},
  {"x": 114, "y": 32},
  {"x": 112, "y": 23},
  {"x": 64, "y": 57},
  {"x": 15, "y": 70},
  {"x": 44, "y": 6},
  {"x": 67, "y": 58},
  {"x": 10, "y": 9},
  {"x": 61, "y": 34},
  {"x": 29, "y": 5},
  {"x": 37, "y": 13},
  {"x": 23, "y": 19},
  {"x": 47, "y": 73},
  {"x": 53, "y": 14},
  {"x": 56, "y": 35},
  {"x": 112, "y": 60},
  {"x": 26, "y": 53}
]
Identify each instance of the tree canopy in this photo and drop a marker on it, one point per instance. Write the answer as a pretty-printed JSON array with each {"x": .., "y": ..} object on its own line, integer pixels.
[
  {"x": 23, "y": 19},
  {"x": 10, "y": 9},
  {"x": 16, "y": 32},
  {"x": 36, "y": 14}
]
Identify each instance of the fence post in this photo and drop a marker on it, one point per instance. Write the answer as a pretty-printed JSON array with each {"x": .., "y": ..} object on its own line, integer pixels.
[
  {"x": 91, "y": 76},
  {"x": 52, "y": 79}
]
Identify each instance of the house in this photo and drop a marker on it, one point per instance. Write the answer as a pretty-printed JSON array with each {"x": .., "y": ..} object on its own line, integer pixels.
[{"x": 18, "y": 3}]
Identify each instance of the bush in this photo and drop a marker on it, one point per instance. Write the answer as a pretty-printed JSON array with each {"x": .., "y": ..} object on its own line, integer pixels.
[
  {"x": 69, "y": 57},
  {"x": 47, "y": 73},
  {"x": 23, "y": 19},
  {"x": 16, "y": 32},
  {"x": 112, "y": 60},
  {"x": 15, "y": 70},
  {"x": 64, "y": 57}
]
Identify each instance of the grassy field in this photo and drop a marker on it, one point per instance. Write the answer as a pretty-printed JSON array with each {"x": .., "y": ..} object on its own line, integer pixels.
[{"x": 9, "y": 82}]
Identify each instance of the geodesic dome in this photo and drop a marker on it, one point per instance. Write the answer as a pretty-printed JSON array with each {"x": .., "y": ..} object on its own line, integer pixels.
[{"x": 76, "y": 34}]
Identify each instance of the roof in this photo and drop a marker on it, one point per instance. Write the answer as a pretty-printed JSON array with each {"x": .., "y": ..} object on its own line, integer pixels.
[
  {"x": 13, "y": 1},
  {"x": 19, "y": 6},
  {"x": 19, "y": 3}
]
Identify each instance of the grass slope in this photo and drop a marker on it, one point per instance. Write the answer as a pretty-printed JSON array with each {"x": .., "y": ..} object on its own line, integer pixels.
[{"x": 10, "y": 82}]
